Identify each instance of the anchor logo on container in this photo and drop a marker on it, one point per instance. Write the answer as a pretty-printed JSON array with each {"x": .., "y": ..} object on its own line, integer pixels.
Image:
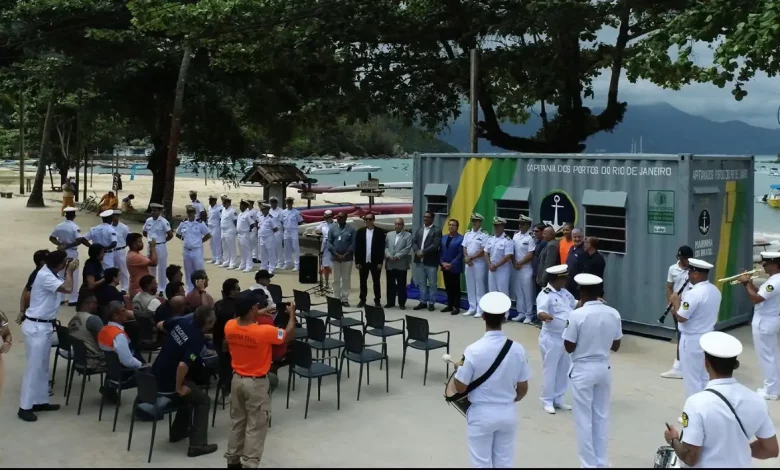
[
  {"x": 704, "y": 222},
  {"x": 556, "y": 209}
]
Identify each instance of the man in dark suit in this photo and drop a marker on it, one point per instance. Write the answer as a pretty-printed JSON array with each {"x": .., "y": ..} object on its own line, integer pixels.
[
  {"x": 425, "y": 245},
  {"x": 369, "y": 255},
  {"x": 452, "y": 266}
]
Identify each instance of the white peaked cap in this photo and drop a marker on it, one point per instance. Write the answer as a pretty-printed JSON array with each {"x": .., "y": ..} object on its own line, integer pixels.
[
  {"x": 558, "y": 270},
  {"x": 720, "y": 344},
  {"x": 107, "y": 213},
  {"x": 588, "y": 279},
  {"x": 700, "y": 264},
  {"x": 496, "y": 303},
  {"x": 69, "y": 209}
]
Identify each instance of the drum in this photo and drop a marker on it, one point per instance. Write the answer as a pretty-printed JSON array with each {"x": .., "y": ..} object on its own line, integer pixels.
[
  {"x": 665, "y": 457},
  {"x": 458, "y": 401}
]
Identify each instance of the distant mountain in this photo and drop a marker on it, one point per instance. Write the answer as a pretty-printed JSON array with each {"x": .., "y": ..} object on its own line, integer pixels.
[{"x": 662, "y": 128}]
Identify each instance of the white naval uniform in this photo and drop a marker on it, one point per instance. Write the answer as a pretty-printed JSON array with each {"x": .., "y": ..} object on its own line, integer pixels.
[
  {"x": 524, "y": 243},
  {"x": 215, "y": 242},
  {"x": 157, "y": 230},
  {"x": 555, "y": 360},
  {"x": 67, "y": 232},
  {"x": 700, "y": 307},
  {"x": 278, "y": 237},
  {"x": 492, "y": 419},
  {"x": 253, "y": 234},
  {"x": 476, "y": 276},
  {"x": 227, "y": 224},
  {"x": 291, "y": 218},
  {"x": 199, "y": 208},
  {"x": 323, "y": 228},
  {"x": 192, "y": 234},
  {"x": 766, "y": 324},
  {"x": 245, "y": 242},
  {"x": 44, "y": 304},
  {"x": 120, "y": 256},
  {"x": 103, "y": 235},
  {"x": 709, "y": 423},
  {"x": 593, "y": 327},
  {"x": 497, "y": 248},
  {"x": 268, "y": 253}
]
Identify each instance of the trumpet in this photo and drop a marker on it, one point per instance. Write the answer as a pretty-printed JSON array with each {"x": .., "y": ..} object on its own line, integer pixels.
[{"x": 735, "y": 279}]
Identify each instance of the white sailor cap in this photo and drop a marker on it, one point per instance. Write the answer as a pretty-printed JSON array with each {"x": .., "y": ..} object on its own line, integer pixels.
[
  {"x": 327, "y": 213},
  {"x": 265, "y": 206},
  {"x": 274, "y": 199},
  {"x": 495, "y": 303},
  {"x": 588, "y": 279},
  {"x": 211, "y": 196},
  {"x": 770, "y": 256},
  {"x": 107, "y": 213},
  {"x": 251, "y": 202},
  {"x": 720, "y": 344},
  {"x": 155, "y": 205},
  {"x": 525, "y": 218},
  {"x": 695, "y": 264},
  {"x": 189, "y": 208},
  {"x": 559, "y": 270},
  {"x": 117, "y": 212},
  {"x": 224, "y": 196},
  {"x": 499, "y": 221},
  {"x": 477, "y": 216},
  {"x": 69, "y": 209}
]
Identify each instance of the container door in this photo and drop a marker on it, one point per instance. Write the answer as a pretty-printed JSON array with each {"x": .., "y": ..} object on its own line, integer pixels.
[{"x": 707, "y": 213}]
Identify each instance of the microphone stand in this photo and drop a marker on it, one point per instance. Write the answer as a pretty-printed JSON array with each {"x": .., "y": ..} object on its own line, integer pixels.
[{"x": 320, "y": 288}]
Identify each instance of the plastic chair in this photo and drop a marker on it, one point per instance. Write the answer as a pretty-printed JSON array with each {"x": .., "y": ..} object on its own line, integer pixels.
[
  {"x": 79, "y": 365},
  {"x": 64, "y": 350},
  {"x": 376, "y": 325},
  {"x": 355, "y": 350},
  {"x": 318, "y": 337},
  {"x": 116, "y": 379},
  {"x": 418, "y": 337},
  {"x": 303, "y": 305},
  {"x": 336, "y": 315},
  {"x": 146, "y": 336},
  {"x": 304, "y": 366},
  {"x": 276, "y": 294}
]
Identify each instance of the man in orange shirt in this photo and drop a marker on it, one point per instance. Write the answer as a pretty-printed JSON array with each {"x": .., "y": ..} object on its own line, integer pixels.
[
  {"x": 137, "y": 263},
  {"x": 565, "y": 243},
  {"x": 250, "y": 351}
]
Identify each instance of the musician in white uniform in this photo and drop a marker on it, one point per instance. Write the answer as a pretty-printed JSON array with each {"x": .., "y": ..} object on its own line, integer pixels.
[
  {"x": 158, "y": 228},
  {"x": 322, "y": 229},
  {"x": 227, "y": 226},
  {"x": 276, "y": 213},
  {"x": 492, "y": 418},
  {"x": 67, "y": 237},
  {"x": 215, "y": 215},
  {"x": 720, "y": 421},
  {"x": 523, "y": 271},
  {"x": 120, "y": 252},
  {"x": 499, "y": 251},
  {"x": 591, "y": 332},
  {"x": 104, "y": 235},
  {"x": 677, "y": 282},
  {"x": 766, "y": 323},
  {"x": 475, "y": 266},
  {"x": 291, "y": 219},
  {"x": 255, "y": 238},
  {"x": 553, "y": 306},
  {"x": 244, "y": 225},
  {"x": 268, "y": 227},
  {"x": 696, "y": 312},
  {"x": 194, "y": 234}
]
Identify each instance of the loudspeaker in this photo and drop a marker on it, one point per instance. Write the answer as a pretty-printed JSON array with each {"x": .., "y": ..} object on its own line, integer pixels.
[{"x": 308, "y": 269}]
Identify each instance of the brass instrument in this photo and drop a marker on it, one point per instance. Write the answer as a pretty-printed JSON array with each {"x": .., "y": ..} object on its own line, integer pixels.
[{"x": 733, "y": 280}]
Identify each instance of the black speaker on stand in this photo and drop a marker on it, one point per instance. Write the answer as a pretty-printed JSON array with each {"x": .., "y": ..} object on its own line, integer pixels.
[{"x": 307, "y": 273}]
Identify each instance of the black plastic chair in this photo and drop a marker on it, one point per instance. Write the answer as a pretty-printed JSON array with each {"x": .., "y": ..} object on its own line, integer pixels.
[
  {"x": 79, "y": 365},
  {"x": 303, "y": 305},
  {"x": 116, "y": 379},
  {"x": 355, "y": 350},
  {"x": 418, "y": 337},
  {"x": 304, "y": 366},
  {"x": 276, "y": 295},
  {"x": 148, "y": 393},
  {"x": 376, "y": 325},
  {"x": 336, "y": 315},
  {"x": 148, "y": 342},
  {"x": 64, "y": 350}
]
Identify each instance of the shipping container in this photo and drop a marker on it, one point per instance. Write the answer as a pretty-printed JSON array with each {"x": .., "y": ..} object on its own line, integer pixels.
[{"x": 642, "y": 207}]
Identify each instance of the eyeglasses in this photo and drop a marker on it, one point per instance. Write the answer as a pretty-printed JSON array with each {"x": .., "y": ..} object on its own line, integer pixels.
[{"x": 370, "y": 220}]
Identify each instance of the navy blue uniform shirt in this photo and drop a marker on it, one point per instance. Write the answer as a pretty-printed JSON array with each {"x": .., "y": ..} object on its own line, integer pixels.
[{"x": 183, "y": 343}]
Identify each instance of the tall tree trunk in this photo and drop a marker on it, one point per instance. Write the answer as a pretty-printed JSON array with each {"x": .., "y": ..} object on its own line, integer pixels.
[
  {"x": 36, "y": 195},
  {"x": 173, "y": 141}
]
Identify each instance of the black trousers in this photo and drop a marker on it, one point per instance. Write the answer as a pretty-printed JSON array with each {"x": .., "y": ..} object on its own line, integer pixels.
[
  {"x": 199, "y": 405},
  {"x": 396, "y": 286},
  {"x": 452, "y": 287},
  {"x": 375, "y": 270}
]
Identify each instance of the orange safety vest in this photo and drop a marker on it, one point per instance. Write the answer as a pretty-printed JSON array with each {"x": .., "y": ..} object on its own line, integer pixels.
[{"x": 107, "y": 335}]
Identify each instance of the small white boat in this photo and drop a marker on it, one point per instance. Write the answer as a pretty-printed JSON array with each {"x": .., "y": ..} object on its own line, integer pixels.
[
  {"x": 323, "y": 170},
  {"x": 774, "y": 172},
  {"x": 364, "y": 168}
]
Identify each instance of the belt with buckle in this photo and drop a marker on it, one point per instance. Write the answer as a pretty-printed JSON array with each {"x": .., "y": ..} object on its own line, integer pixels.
[
  {"x": 38, "y": 320},
  {"x": 251, "y": 376}
]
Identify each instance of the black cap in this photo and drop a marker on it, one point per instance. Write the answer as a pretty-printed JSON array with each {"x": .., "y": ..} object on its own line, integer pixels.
[
  {"x": 685, "y": 251},
  {"x": 248, "y": 299},
  {"x": 263, "y": 274}
]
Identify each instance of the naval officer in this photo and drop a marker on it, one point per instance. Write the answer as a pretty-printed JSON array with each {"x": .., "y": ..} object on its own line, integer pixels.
[
  {"x": 491, "y": 418},
  {"x": 499, "y": 251},
  {"x": 194, "y": 234},
  {"x": 215, "y": 214},
  {"x": 67, "y": 237},
  {"x": 766, "y": 323},
  {"x": 720, "y": 421},
  {"x": 105, "y": 236},
  {"x": 291, "y": 219},
  {"x": 158, "y": 228},
  {"x": 244, "y": 226},
  {"x": 276, "y": 213},
  {"x": 227, "y": 227},
  {"x": 200, "y": 209},
  {"x": 268, "y": 227},
  {"x": 120, "y": 252},
  {"x": 591, "y": 332},
  {"x": 475, "y": 265},
  {"x": 523, "y": 272},
  {"x": 696, "y": 312},
  {"x": 553, "y": 305}
]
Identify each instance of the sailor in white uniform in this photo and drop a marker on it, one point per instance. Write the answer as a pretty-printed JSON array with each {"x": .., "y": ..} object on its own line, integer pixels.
[
  {"x": 475, "y": 265},
  {"x": 227, "y": 225},
  {"x": 276, "y": 213},
  {"x": 523, "y": 271},
  {"x": 268, "y": 227},
  {"x": 120, "y": 251},
  {"x": 593, "y": 330},
  {"x": 67, "y": 236},
  {"x": 244, "y": 226},
  {"x": 696, "y": 312},
  {"x": 322, "y": 229},
  {"x": 255, "y": 238},
  {"x": 291, "y": 219},
  {"x": 492, "y": 418},
  {"x": 158, "y": 228},
  {"x": 766, "y": 323},
  {"x": 720, "y": 421},
  {"x": 553, "y": 305},
  {"x": 200, "y": 209},
  {"x": 105, "y": 236},
  {"x": 677, "y": 281},
  {"x": 499, "y": 251},
  {"x": 215, "y": 214},
  {"x": 194, "y": 234}
]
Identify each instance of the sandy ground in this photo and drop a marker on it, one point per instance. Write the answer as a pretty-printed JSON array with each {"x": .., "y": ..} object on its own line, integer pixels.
[{"x": 409, "y": 427}]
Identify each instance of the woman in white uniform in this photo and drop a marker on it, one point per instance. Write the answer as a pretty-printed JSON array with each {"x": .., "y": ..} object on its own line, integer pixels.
[{"x": 323, "y": 229}]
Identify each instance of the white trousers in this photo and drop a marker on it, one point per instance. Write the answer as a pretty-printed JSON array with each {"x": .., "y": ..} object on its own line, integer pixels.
[
  {"x": 492, "y": 435},
  {"x": 245, "y": 248},
  {"x": 476, "y": 284},
  {"x": 524, "y": 292},
  {"x": 342, "y": 279},
  {"x": 591, "y": 386},
  {"x": 694, "y": 374},
  {"x": 35, "y": 382},
  {"x": 555, "y": 366},
  {"x": 765, "y": 341},
  {"x": 255, "y": 244},
  {"x": 162, "y": 264},
  {"x": 193, "y": 261},
  {"x": 268, "y": 255},
  {"x": 279, "y": 246},
  {"x": 229, "y": 249},
  {"x": 120, "y": 262},
  {"x": 108, "y": 261},
  {"x": 292, "y": 251},
  {"x": 216, "y": 244},
  {"x": 498, "y": 281}
]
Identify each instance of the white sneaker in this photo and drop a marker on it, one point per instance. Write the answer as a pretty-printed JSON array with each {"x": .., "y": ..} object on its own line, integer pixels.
[
  {"x": 550, "y": 409},
  {"x": 295, "y": 269},
  {"x": 246, "y": 271},
  {"x": 516, "y": 319},
  {"x": 563, "y": 406},
  {"x": 468, "y": 313},
  {"x": 224, "y": 265},
  {"x": 478, "y": 315},
  {"x": 762, "y": 393},
  {"x": 279, "y": 266},
  {"x": 526, "y": 321},
  {"x": 672, "y": 374}
]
